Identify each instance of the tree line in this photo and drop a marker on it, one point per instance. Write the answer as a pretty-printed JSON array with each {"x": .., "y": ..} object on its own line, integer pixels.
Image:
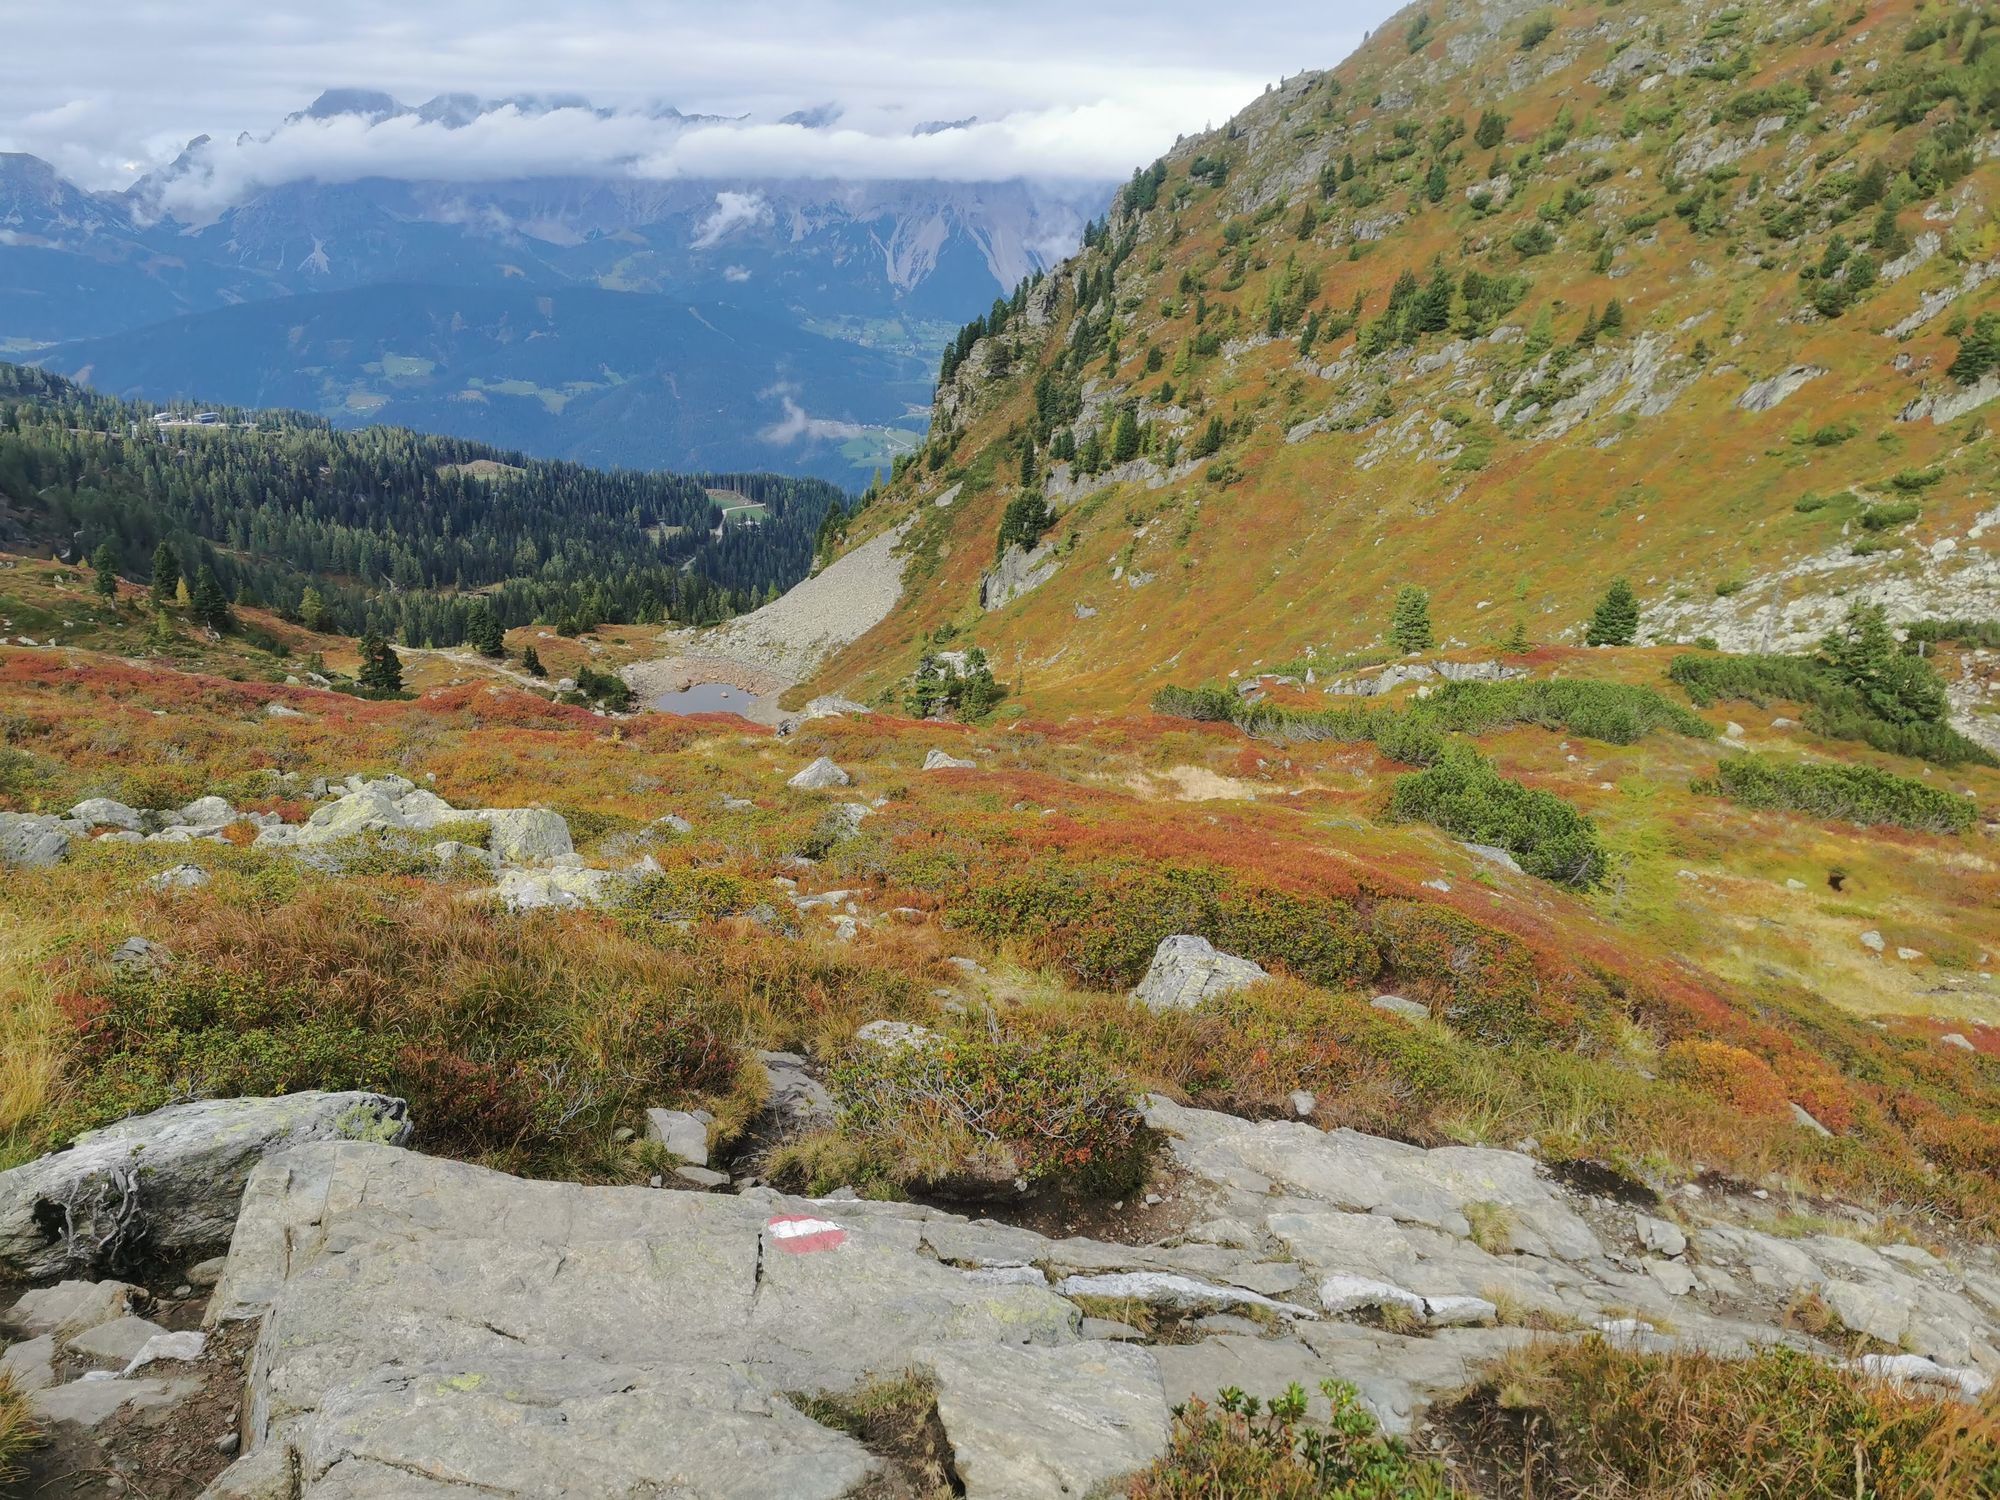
[{"x": 392, "y": 531}]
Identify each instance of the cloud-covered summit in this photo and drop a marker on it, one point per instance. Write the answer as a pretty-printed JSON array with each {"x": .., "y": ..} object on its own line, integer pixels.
[{"x": 975, "y": 90}]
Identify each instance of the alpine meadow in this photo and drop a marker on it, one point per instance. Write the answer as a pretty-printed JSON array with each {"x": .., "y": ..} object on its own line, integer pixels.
[{"x": 1358, "y": 860}]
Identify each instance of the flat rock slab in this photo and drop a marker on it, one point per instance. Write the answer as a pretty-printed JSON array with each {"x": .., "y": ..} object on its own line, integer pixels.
[
  {"x": 116, "y": 1342},
  {"x": 576, "y": 1325},
  {"x": 1024, "y": 1423},
  {"x": 89, "y": 1402},
  {"x": 533, "y": 1426}
]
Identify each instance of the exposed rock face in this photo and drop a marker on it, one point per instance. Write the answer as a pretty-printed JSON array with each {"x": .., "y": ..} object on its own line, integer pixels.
[
  {"x": 1762, "y": 395},
  {"x": 165, "y": 1182},
  {"x": 1019, "y": 571},
  {"x": 1188, "y": 970}
]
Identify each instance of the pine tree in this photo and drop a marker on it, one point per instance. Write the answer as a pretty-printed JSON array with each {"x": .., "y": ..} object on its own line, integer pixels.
[
  {"x": 105, "y": 563},
  {"x": 1864, "y": 655},
  {"x": 1125, "y": 437},
  {"x": 166, "y": 575},
  {"x": 381, "y": 669},
  {"x": 1436, "y": 184},
  {"x": 531, "y": 663},
  {"x": 1517, "y": 642},
  {"x": 1978, "y": 349},
  {"x": 482, "y": 629},
  {"x": 1614, "y": 316},
  {"x": 1616, "y": 621},
  {"x": 208, "y": 604},
  {"x": 1410, "y": 620},
  {"x": 1491, "y": 130}
]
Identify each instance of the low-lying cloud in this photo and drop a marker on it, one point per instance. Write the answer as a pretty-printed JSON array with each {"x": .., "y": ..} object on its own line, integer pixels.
[
  {"x": 1089, "y": 143},
  {"x": 974, "y": 90}
]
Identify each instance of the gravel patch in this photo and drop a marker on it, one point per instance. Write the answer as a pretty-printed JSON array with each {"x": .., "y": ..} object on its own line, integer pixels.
[{"x": 791, "y": 637}]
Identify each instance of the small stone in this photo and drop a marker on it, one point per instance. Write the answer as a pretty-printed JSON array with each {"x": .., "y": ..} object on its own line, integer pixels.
[
  {"x": 207, "y": 1272},
  {"x": 939, "y": 760},
  {"x": 702, "y": 1177},
  {"x": 1396, "y": 1005},
  {"x": 1675, "y": 1279},
  {"x": 1801, "y": 1116},
  {"x": 186, "y": 1347},
  {"x": 681, "y": 1133},
  {"x": 1956, "y": 1039},
  {"x": 229, "y": 1442},
  {"x": 1909, "y": 955},
  {"x": 1660, "y": 1236},
  {"x": 1733, "y": 729},
  {"x": 1458, "y": 1312},
  {"x": 1304, "y": 1102},
  {"x": 895, "y": 1036},
  {"x": 1872, "y": 940}
]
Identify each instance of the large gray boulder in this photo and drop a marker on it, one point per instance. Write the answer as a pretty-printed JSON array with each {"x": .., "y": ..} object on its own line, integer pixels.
[
  {"x": 1188, "y": 970},
  {"x": 167, "y": 1182},
  {"x": 526, "y": 835},
  {"x": 106, "y": 812},
  {"x": 33, "y": 841},
  {"x": 821, "y": 775},
  {"x": 430, "y": 1326}
]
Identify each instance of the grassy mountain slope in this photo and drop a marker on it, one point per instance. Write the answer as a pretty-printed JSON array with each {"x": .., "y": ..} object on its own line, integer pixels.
[{"x": 1789, "y": 206}]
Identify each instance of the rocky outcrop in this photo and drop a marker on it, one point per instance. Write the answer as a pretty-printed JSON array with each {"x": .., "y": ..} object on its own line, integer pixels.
[
  {"x": 1187, "y": 970},
  {"x": 1019, "y": 571},
  {"x": 1762, "y": 395},
  {"x": 167, "y": 1182}
]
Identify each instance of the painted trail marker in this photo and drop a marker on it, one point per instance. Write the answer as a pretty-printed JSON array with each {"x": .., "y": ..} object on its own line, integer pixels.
[{"x": 802, "y": 1234}]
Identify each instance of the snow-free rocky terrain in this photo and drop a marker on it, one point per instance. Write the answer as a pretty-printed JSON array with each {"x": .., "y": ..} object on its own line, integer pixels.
[{"x": 428, "y": 1327}]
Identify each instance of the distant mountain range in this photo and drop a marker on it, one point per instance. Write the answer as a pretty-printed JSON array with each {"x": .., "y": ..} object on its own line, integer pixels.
[{"x": 789, "y": 325}]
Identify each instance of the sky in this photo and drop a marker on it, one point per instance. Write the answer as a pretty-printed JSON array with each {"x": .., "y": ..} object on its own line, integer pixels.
[{"x": 1076, "y": 90}]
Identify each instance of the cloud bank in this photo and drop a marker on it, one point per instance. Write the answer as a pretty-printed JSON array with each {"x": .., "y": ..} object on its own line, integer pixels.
[{"x": 967, "y": 91}]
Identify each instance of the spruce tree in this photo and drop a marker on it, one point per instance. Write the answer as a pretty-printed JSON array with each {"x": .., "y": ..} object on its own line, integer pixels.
[
  {"x": 381, "y": 669},
  {"x": 531, "y": 663},
  {"x": 1517, "y": 642},
  {"x": 105, "y": 562},
  {"x": 166, "y": 575},
  {"x": 1410, "y": 620},
  {"x": 1125, "y": 437},
  {"x": 483, "y": 630},
  {"x": 1616, "y": 621},
  {"x": 209, "y": 605},
  {"x": 1436, "y": 184}
]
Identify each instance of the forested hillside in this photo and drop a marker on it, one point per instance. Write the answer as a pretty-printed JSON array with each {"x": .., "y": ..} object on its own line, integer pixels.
[
  {"x": 392, "y": 531},
  {"x": 1516, "y": 300}
]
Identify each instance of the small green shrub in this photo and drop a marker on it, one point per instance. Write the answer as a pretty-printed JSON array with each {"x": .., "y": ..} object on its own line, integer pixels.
[
  {"x": 1853, "y": 794},
  {"x": 1896, "y": 513},
  {"x": 1463, "y": 795},
  {"x": 1246, "y": 1449},
  {"x": 1592, "y": 1419},
  {"x": 966, "y": 1114}
]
